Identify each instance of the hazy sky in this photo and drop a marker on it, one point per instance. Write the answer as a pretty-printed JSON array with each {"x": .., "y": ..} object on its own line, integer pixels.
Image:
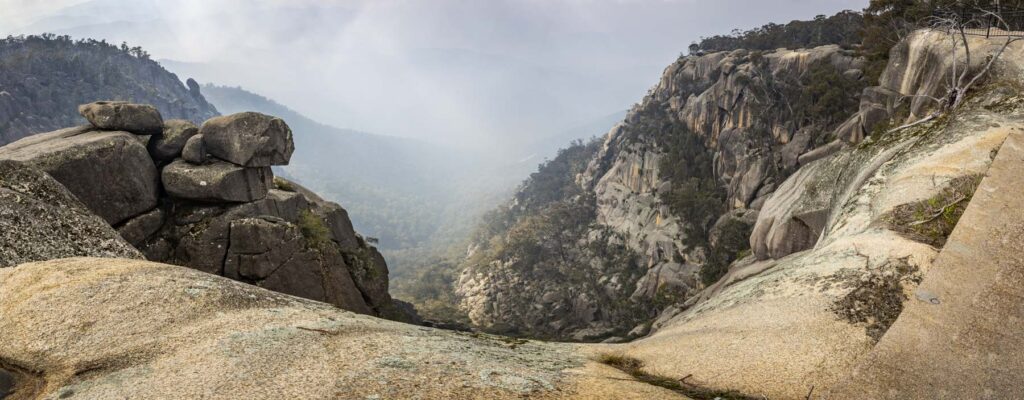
[{"x": 471, "y": 72}]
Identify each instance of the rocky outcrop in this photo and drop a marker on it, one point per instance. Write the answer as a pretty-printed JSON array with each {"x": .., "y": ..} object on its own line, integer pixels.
[
  {"x": 110, "y": 171},
  {"x": 215, "y": 216},
  {"x": 736, "y": 114},
  {"x": 194, "y": 150},
  {"x": 136, "y": 329},
  {"x": 41, "y": 220}
]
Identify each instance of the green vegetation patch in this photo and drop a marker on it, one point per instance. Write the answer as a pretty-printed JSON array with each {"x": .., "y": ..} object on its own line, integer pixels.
[
  {"x": 635, "y": 368},
  {"x": 314, "y": 230},
  {"x": 695, "y": 196},
  {"x": 843, "y": 29},
  {"x": 281, "y": 184},
  {"x": 733, "y": 243},
  {"x": 932, "y": 220}
]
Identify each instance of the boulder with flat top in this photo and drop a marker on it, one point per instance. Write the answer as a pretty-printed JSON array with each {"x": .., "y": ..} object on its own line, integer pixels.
[{"x": 142, "y": 119}]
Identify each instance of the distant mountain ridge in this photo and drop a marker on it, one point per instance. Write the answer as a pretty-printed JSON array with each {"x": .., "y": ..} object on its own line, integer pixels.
[{"x": 44, "y": 78}]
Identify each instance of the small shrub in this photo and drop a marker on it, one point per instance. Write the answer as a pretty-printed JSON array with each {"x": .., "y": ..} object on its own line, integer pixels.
[
  {"x": 932, "y": 220},
  {"x": 314, "y": 230},
  {"x": 281, "y": 184}
]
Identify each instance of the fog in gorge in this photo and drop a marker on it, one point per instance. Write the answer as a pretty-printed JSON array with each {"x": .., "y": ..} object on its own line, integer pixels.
[
  {"x": 487, "y": 75},
  {"x": 422, "y": 115}
]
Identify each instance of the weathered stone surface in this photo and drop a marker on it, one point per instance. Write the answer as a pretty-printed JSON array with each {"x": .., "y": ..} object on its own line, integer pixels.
[
  {"x": 776, "y": 327},
  {"x": 288, "y": 242},
  {"x": 369, "y": 272},
  {"x": 958, "y": 336},
  {"x": 41, "y": 220},
  {"x": 194, "y": 150},
  {"x": 258, "y": 247},
  {"x": 142, "y": 119},
  {"x": 249, "y": 139},
  {"x": 110, "y": 172},
  {"x": 140, "y": 228},
  {"x": 272, "y": 253},
  {"x": 217, "y": 181},
  {"x": 289, "y": 205},
  {"x": 792, "y": 218},
  {"x": 341, "y": 227},
  {"x": 169, "y": 144},
  {"x": 160, "y": 331},
  {"x": 218, "y": 217}
]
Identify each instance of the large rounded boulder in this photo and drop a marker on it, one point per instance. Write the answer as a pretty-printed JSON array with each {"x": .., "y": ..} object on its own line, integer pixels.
[{"x": 249, "y": 139}]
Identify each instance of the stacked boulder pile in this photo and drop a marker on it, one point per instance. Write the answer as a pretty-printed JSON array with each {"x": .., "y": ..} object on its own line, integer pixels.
[{"x": 206, "y": 198}]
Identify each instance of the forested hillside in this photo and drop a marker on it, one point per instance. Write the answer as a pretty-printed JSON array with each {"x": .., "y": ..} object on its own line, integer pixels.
[{"x": 44, "y": 78}]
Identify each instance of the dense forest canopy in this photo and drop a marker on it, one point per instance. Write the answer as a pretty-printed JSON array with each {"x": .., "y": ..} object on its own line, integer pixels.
[
  {"x": 843, "y": 29},
  {"x": 874, "y": 30}
]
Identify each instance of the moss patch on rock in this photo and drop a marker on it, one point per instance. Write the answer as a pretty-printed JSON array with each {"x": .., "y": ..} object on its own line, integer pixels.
[{"x": 932, "y": 220}]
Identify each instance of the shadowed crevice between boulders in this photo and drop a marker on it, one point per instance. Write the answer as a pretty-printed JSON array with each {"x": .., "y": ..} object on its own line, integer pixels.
[{"x": 19, "y": 383}]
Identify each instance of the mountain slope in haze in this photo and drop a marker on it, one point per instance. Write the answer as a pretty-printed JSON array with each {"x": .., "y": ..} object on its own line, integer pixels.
[
  {"x": 406, "y": 193},
  {"x": 44, "y": 78}
]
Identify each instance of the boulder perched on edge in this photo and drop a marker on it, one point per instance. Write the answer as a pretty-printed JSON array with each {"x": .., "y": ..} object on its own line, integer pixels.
[
  {"x": 141, "y": 119},
  {"x": 249, "y": 139},
  {"x": 110, "y": 172},
  {"x": 41, "y": 220},
  {"x": 216, "y": 181},
  {"x": 168, "y": 145}
]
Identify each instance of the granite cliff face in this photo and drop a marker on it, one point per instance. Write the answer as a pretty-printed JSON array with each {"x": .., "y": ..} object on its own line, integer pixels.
[
  {"x": 897, "y": 239},
  {"x": 203, "y": 197},
  {"x": 731, "y": 126}
]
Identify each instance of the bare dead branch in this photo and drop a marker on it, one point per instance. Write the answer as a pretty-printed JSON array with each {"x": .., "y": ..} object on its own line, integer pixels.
[{"x": 939, "y": 213}]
